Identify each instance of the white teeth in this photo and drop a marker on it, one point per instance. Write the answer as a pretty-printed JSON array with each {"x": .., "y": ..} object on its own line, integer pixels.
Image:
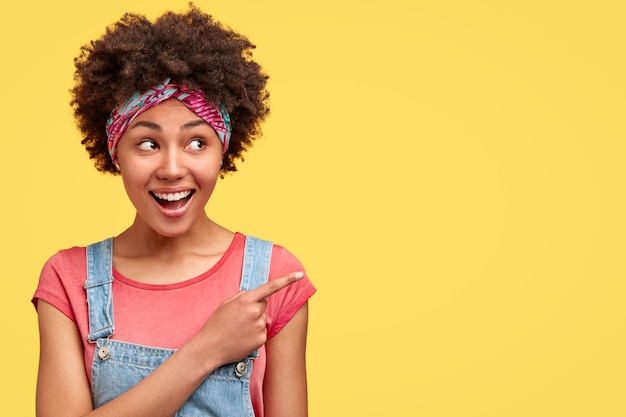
[{"x": 172, "y": 196}]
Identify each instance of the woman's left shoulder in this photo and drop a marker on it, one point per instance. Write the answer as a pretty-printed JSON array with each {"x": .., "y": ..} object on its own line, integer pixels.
[{"x": 284, "y": 261}]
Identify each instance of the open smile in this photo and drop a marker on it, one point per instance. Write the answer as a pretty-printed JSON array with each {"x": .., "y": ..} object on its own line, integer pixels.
[{"x": 172, "y": 201}]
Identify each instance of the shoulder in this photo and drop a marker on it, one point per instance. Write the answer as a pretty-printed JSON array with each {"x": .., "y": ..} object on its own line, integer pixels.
[
  {"x": 283, "y": 261},
  {"x": 65, "y": 261},
  {"x": 61, "y": 279}
]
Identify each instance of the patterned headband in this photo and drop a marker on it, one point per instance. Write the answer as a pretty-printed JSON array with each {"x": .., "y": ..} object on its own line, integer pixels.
[{"x": 214, "y": 114}]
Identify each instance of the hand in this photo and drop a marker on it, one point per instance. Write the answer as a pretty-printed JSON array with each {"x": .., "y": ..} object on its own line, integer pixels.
[{"x": 238, "y": 326}]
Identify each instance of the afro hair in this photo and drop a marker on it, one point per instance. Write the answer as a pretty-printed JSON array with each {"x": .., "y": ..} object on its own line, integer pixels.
[{"x": 192, "y": 49}]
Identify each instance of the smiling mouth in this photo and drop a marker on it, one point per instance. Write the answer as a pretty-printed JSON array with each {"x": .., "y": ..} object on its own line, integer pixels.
[{"x": 172, "y": 200}]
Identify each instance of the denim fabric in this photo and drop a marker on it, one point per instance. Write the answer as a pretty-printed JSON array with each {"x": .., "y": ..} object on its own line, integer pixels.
[
  {"x": 98, "y": 287},
  {"x": 117, "y": 366}
]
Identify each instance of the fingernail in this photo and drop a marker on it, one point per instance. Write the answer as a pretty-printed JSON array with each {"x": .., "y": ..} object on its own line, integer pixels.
[{"x": 299, "y": 275}]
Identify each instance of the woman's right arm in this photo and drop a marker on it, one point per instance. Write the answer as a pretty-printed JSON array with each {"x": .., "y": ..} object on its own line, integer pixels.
[
  {"x": 237, "y": 328},
  {"x": 63, "y": 388},
  {"x": 62, "y": 385}
]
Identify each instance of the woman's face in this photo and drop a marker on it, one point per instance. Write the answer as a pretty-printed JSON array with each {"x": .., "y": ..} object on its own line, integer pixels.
[{"x": 170, "y": 161}]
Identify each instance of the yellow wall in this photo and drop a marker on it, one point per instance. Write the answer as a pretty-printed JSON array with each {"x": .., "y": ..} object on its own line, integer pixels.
[{"x": 450, "y": 172}]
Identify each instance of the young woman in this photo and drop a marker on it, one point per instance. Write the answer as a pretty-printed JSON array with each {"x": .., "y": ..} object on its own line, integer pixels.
[{"x": 176, "y": 315}]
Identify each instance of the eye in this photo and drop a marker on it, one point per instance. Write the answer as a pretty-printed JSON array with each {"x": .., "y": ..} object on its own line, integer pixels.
[
  {"x": 197, "y": 144},
  {"x": 147, "y": 145}
]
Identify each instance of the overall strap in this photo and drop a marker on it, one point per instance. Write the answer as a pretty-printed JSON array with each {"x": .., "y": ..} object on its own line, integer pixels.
[
  {"x": 98, "y": 287},
  {"x": 256, "y": 263}
]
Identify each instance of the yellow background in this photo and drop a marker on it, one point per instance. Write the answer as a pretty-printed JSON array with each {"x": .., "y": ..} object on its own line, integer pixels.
[{"x": 450, "y": 172}]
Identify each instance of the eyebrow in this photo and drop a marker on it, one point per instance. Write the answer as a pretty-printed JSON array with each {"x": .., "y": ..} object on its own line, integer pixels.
[
  {"x": 194, "y": 123},
  {"x": 149, "y": 125},
  {"x": 156, "y": 126}
]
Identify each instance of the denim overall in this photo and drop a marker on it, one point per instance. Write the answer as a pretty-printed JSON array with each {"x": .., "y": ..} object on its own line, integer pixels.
[{"x": 118, "y": 366}]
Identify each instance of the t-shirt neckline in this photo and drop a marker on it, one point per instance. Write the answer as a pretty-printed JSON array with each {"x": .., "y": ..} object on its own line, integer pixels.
[{"x": 187, "y": 282}]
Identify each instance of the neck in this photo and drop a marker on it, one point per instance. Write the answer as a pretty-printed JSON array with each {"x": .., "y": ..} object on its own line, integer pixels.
[{"x": 141, "y": 240}]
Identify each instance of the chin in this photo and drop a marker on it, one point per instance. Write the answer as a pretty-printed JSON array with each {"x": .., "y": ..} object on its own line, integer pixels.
[{"x": 171, "y": 231}]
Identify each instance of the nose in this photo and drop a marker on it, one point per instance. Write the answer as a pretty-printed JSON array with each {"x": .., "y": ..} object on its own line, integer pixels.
[{"x": 172, "y": 166}]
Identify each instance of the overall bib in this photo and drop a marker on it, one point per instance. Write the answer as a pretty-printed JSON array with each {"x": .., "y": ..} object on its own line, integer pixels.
[{"x": 118, "y": 366}]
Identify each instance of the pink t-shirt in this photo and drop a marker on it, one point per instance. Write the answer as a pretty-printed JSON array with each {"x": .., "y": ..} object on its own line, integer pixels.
[{"x": 167, "y": 316}]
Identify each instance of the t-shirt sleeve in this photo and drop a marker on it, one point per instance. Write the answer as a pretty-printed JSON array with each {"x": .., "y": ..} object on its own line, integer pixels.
[
  {"x": 51, "y": 287},
  {"x": 284, "y": 304}
]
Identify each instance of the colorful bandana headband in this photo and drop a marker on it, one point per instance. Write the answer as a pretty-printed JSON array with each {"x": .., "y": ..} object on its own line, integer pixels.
[{"x": 214, "y": 114}]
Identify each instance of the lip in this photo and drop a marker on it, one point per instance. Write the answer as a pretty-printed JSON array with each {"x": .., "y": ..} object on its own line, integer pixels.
[{"x": 173, "y": 203}]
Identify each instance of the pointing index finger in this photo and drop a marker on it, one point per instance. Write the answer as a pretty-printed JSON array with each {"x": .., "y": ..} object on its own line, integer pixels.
[{"x": 275, "y": 285}]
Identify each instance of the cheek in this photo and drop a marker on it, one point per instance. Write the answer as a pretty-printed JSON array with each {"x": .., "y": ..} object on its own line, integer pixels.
[
  {"x": 208, "y": 171},
  {"x": 209, "y": 179},
  {"x": 133, "y": 183}
]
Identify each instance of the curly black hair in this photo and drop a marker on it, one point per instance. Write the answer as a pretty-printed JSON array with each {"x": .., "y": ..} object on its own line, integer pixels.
[{"x": 192, "y": 49}]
